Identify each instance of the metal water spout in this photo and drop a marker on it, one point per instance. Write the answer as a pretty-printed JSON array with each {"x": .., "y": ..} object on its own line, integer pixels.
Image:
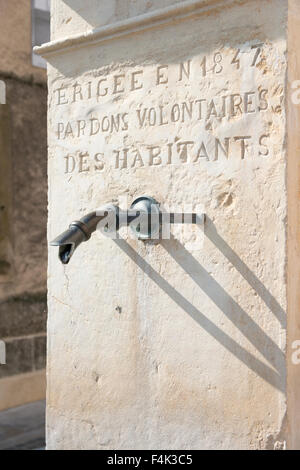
[{"x": 144, "y": 217}]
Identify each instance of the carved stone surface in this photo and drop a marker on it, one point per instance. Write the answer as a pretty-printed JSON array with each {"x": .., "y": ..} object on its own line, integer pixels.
[{"x": 178, "y": 344}]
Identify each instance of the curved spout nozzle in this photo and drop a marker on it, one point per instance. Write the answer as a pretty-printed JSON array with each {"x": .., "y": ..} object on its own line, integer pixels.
[
  {"x": 68, "y": 241},
  {"x": 79, "y": 231}
]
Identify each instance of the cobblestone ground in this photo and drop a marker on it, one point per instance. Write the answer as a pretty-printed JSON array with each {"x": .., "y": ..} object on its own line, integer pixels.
[{"x": 23, "y": 428}]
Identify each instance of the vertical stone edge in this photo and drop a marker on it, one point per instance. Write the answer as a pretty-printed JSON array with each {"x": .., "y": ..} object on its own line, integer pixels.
[
  {"x": 53, "y": 21},
  {"x": 293, "y": 226}
]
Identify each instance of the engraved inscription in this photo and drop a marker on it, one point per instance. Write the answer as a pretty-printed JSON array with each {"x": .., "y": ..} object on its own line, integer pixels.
[
  {"x": 180, "y": 152},
  {"x": 180, "y": 114},
  {"x": 201, "y": 109}
]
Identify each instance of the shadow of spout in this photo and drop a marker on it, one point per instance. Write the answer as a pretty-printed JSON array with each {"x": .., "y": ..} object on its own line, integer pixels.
[{"x": 274, "y": 377}]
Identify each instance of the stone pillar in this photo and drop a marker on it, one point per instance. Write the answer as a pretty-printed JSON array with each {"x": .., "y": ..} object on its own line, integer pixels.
[{"x": 188, "y": 342}]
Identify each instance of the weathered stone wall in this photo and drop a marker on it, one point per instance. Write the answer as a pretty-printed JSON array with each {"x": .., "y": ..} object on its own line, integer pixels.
[
  {"x": 23, "y": 180},
  {"x": 173, "y": 344},
  {"x": 15, "y": 41}
]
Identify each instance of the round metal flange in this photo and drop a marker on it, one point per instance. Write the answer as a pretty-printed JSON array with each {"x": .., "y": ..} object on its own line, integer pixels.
[{"x": 145, "y": 228}]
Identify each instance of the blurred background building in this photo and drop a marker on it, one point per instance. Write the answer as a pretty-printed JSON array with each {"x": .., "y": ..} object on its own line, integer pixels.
[{"x": 23, "y": 201}]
